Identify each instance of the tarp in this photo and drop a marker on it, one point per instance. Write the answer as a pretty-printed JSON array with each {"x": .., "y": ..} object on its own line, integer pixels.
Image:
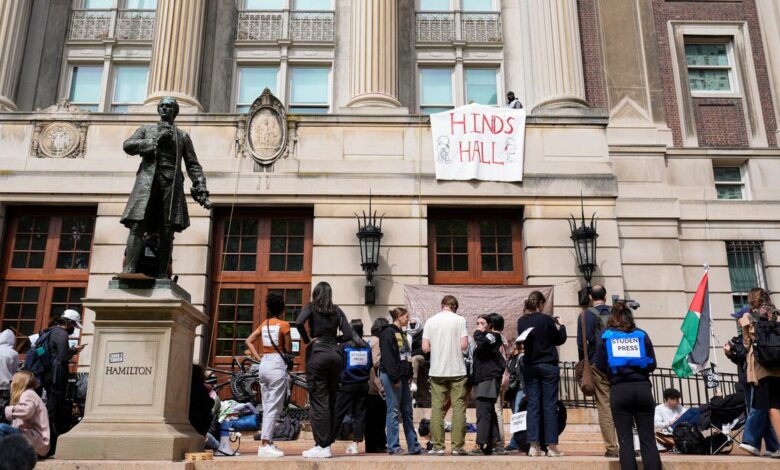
[
  {"x": 477, "y": 142},
  {"x": 424, "y": 301}
]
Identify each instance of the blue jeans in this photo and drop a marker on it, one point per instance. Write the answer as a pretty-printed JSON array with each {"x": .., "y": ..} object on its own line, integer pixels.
[
  {"x": 541, "y": 388},
  {"x": 8, "y": 430},
  {"x": 399, "y": 408},
  {"x": 515, "y": 408},
  {"x": 757, "y": 426}
]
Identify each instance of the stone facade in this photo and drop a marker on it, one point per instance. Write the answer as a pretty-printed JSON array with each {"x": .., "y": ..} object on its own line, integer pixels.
[{"x": 603, "y": 93}]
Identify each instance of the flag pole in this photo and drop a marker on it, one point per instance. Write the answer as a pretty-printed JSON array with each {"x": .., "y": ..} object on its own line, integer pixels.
[{"x": 714, "y": 355}]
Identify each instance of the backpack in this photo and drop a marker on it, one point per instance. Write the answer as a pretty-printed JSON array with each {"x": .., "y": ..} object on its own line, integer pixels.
[
  {"x": 38, "y": 359},
  {"x": 286, "y": 428},
  {"x": 766, "y": 346},
  {"x": 688, "y": 439}
]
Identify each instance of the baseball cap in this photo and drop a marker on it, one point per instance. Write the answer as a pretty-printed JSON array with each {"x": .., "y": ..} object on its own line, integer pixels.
[
  {"x": 738, "y": 314},
  {"x": 73, "y": 316}
]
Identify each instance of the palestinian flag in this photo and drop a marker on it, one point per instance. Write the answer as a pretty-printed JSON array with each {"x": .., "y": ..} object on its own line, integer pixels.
[{"x": 694, "y": 349}]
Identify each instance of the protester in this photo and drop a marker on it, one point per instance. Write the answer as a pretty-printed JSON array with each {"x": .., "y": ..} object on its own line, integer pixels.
[
  {"x": 512, "y": 102},
  {"x": 488, "y": 370},
  {"x": 515, "y": 389},
  {"x": 55, "y": 379},
  {"x": 323, "y": 364},
  {"x": 540, "y": 373},
  {"x": 665, "y": 415},
  {"x": 766, "y": 380},
  {"x": 272, "y": 370},
  {"x": 376, "y": 408},
  {"x": 27, "y": 413},
  {"x": 16, "y": 453},
  {"x": 396, "y": 372},
  {"x": 596, "y": 317},
  {"x": 9, "y": 363},
  {"x": 445, "y": 338},
  {"x": 353, "y": 394},
  {"x": 415, "y": 331},
  {"x": 498, "y": 429},
  {"x": 201, "y": 404},
  {"x": 631, "y": 395}
]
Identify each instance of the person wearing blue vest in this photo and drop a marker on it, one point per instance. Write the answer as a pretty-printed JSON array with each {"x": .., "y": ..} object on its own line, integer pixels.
[
  {"x": 625, "y": 353},
  {"x": 353, "y": 393}
]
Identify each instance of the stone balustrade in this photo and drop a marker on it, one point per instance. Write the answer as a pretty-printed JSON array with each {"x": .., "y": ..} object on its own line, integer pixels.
[
  {"x": 273, "y": 25},
  {"x": 474, "y": 27},
  {"x": 132, "y": 25}
]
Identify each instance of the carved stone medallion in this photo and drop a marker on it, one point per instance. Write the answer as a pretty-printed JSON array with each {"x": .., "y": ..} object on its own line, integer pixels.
[
  {"x": 58, "y": 139},
  {"x": 265, "y": 138}
]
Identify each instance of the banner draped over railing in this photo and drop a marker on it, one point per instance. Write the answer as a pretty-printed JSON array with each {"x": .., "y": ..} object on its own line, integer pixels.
[{"x": 477, "y": 142}]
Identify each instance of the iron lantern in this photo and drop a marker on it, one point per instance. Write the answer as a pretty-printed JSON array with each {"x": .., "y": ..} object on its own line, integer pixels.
[
  {"x": 369, "y": 237},
  {"x": 584, "y": 238}
]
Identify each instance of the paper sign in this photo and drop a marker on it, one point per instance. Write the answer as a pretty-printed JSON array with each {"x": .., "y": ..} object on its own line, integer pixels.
[
  {"x": 296, "y": 346},
  {"x": 294, "y": 335},
  {"x": 518, "y": 423},
  {"x": 270, "y": 333},
  {"x": 625, "y": 347},
  {"x": 524, "y": 335},
  {"x": 477, "y": 142},
  {"x": 358, "y": 358}
]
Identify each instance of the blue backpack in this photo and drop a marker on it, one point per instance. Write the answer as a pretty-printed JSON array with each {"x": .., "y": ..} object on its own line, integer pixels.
[
  {"x": 626, "y": 349},
  {"x": 38, "y": 359}
]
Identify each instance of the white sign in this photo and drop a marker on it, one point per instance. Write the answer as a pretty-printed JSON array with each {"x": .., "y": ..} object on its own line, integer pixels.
[
  {"x": 625, "y": 347},
  {"x": 524, "y": 335},
  {"x": 477, "y": 142},
  {"x": 358, "y": 358},
  {"x": 518, "y": 423}
]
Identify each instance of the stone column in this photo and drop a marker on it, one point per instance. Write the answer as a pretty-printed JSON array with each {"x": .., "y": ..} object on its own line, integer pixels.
[
  {"x": 374, "y": 66},
  {"x": 14, "y": 18},
  {"x": 556, "y": 56},
  {"x": 176, "y": 55},
  {"x": 769, "y": 18}
]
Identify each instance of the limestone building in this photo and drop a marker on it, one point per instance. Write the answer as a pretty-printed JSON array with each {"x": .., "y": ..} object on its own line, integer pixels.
[{"x": 662, "y": 114}]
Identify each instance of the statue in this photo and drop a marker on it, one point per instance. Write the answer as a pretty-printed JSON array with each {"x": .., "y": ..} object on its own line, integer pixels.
[{"x": 157, "y": 207}]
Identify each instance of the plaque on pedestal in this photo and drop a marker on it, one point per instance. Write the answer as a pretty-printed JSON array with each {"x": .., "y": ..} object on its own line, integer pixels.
[{"x": 139, "y": 383}]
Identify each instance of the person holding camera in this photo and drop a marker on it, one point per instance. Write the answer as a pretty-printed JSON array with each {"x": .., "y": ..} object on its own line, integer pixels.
[
  {"x": 626, "y": 355},
  {"x": 488, "y": 370}
]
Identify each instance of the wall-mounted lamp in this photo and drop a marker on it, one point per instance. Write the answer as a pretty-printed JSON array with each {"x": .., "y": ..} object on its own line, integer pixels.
[
  {"x": 369, "y": 236},
  {"x": 584, "y": 238}
]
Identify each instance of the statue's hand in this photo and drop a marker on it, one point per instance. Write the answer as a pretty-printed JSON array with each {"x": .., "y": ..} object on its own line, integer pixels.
[
  {"x": 165, "y": 137},
  {"x": 201, "y": 195}
]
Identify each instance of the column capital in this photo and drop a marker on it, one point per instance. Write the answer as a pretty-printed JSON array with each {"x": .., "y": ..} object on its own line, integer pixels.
[{"x": 14, "y": 20}]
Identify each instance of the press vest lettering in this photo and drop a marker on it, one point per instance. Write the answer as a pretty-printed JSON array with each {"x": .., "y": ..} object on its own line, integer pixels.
[{"x": 626, "y": 349}]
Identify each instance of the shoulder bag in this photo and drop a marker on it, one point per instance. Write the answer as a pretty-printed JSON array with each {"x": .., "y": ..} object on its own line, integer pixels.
[{"x": 583, "y": 370}]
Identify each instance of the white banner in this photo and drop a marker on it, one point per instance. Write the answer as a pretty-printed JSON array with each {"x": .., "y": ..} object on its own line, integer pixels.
[{"x": 477, "y": 142}]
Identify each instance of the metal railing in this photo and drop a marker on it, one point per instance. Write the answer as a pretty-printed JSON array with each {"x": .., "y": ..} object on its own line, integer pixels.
[
  {"x": 443, "y": 27},
  {"x": 693, "y": 388},
  {"x": 134, "y": 25},
  {"x": 272, "y": 25}
]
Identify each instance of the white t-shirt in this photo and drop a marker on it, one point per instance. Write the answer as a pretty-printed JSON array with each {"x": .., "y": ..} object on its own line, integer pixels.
[
  {"x": 444, "y": 331},
  {"x": 665, "y": 416}
]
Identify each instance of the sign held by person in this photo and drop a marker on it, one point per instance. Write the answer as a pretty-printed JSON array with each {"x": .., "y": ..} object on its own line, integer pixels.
[{"x": 477, "y": 142}]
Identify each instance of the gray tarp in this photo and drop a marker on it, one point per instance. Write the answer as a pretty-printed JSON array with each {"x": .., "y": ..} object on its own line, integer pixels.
[{"x": 424, "y": 301}]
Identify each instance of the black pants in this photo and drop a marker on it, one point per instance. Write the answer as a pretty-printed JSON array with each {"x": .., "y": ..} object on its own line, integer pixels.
[
  {"x": 376, "y": 411},
  {"x": 632, "y": 402},
  {"x": 60, "y": 415},
  {"x": 351, "y": 401},
  {"x": 487, "y": 422},
  {"x": 323, "y": 376}
]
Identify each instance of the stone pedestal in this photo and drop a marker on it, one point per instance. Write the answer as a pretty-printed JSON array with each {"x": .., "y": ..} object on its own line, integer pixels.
[{"x": 139, "y": 381}]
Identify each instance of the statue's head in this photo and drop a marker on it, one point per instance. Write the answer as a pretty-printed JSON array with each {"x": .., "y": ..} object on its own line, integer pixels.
[{"x": 168, "y": 109}]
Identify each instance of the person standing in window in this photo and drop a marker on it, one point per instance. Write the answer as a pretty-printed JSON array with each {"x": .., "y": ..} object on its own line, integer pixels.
[
  {"x": 512, "y": 102},
  {"x": 542, "y": 335},
  {"x": 323, "y": 364},
  {"x": 272, "y": 370},
  {"x": 488, "y": 370},
  {"x": 354, "y": 385},
  {"x": 625, "y": 353}
]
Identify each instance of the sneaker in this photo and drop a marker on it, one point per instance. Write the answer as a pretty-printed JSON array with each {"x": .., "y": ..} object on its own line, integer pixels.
[
  {"x": 353, "y": 449},
  {"x": 499, "y": 450},
  {"x": 459, "y": 452},
  {"x": 413, "y": 387},
  {"x": 317, "y": 452},
  {"x": 552, "y": 451},
  {"x": 398, "y": 451},
  {"x": 417, "y": 451},
  {"x": 752, "y": 450},
  {"x": 775, "y": 454},
  {"x": 269, "y": 451},
  {"x": 436, "y": 453},
  {"x": 476, "y": 452},
  {"x": 535, "y": 451},
  {"x": 612, "y": 454}
]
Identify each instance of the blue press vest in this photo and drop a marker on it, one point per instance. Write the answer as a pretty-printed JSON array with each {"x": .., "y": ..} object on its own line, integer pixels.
[
  {"x": 350, "y": 365},
  {"x": 626, "y": 349}
]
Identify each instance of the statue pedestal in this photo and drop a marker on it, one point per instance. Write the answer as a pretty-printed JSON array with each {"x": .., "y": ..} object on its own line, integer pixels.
[{"x": 139, "y": 382}]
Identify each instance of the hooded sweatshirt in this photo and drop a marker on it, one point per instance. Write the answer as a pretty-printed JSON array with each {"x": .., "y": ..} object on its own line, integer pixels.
[
  {"x": 395, "y": 353},
  {"x": 31, "y": 418},
  {"x": 9, "y": 359}
]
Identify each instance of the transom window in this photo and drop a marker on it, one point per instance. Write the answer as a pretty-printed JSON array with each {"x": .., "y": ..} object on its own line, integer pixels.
[
  {"x": 469, "y": 248},
  {"x": 710, "y": 65},
  {"x": 746, "y": 269},
  {"x": 730, "y": 182}
]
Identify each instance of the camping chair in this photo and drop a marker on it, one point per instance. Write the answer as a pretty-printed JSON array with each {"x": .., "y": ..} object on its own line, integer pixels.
[{"x": 727, "y": 421}]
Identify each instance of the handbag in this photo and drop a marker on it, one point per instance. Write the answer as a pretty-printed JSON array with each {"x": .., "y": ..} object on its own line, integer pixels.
[
  {"x": 582, "y": 370},
  {"x": 287, "y": 358}
]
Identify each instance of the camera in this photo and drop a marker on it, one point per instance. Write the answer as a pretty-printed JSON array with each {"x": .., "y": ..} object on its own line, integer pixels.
[{"x": 632, "y": 304}]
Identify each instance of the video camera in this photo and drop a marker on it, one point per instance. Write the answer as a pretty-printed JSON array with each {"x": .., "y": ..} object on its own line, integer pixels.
[{"x": 632, "y": 304}]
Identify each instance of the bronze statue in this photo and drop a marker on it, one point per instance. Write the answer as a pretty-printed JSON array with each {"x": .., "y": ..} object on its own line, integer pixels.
[{"x": 157, "y": 204}]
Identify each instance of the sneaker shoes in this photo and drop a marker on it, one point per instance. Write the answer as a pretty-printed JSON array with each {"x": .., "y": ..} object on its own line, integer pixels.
[
  {"x": 552, "y": 451},
  {"x": 535, "y": 451},
  {"x": 353, "y": 449},
  {"x": 436, "y": 453},
  {"x": 398, "y": 451},
  {"x": 775, "y": 454},
  {"x": 317, "y": 452},
  {"x": 499, "y": 450},
  {"x": 752, "y": 450},
  {"x": 476, "y": 452},
  {"x": 417, "y": 451},
  {"x": 612, "y": 454},
  {"x": 459, "y": 452},
  {"x": 269, "y": 451}
]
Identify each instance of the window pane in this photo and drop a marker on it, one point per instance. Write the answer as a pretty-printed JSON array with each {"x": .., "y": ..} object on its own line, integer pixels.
[
  {"x": 742, "y": 271},
  {"x": 477, "y": 5},
  {"x": 99, "y": 4},
  {"x": 727, "y": 174},
  {"x": 263, "y": 4},
  {"x": 436, "y": 86},
  {"x": 141, "y": 4},
  {"x": 706, "y": 54},
  {"x": 434, "y": 5},
  {"x": 481, "y": 86},
  {"x": 309, "y": 85},
  {"x": 729, "y": 191},
  {"x": 32, "y": 233},
  {"x": 312, "y": 5},
  {"x": 709, "y": 80},
  {"x": 130, "y": 86},
  {"x": 253, "y": 80},
  {"x": 85, "y": 84}
]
